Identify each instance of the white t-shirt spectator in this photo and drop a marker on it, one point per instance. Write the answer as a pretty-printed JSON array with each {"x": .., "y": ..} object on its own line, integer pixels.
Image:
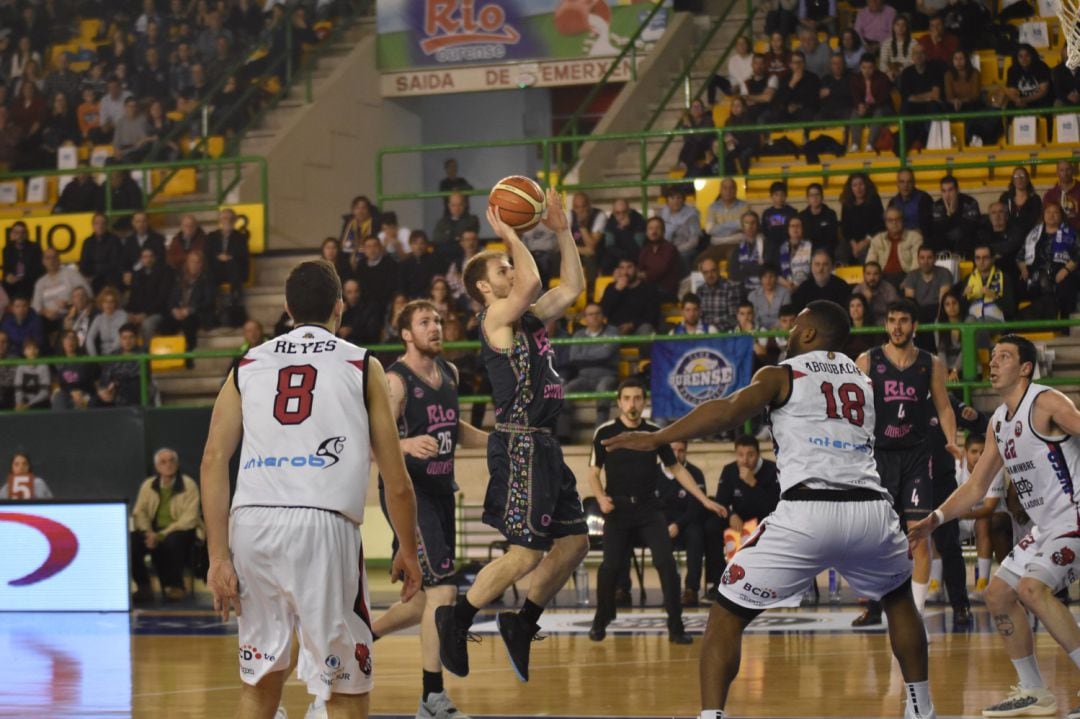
[
  {"x": 53, "y": 292},
  {"x": 396, "y": 245}
]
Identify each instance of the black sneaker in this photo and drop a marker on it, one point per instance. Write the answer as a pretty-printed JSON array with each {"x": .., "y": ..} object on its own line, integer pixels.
[
  {"x": 869, "y": 618},
  {"x": 679, "y": 636},
  {"x": 598, "y": 631},
  {"x": 453, "y": 640},
  {"x": 518, "y": 639}
]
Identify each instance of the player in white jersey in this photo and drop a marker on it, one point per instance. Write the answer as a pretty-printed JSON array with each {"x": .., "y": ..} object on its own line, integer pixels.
[
  {"x": 833, "y": 511},
  {"x": 1037, "y": 432},
  {"x": 311, "y": 408}
]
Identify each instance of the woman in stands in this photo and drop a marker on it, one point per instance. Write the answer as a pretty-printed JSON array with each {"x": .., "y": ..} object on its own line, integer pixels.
[
  {"x": 859, "y": 314},
  {"x": 22, "y": 56},
  {"x": 778, "y": 58},
  {"x": 738, "y": 70},
  {"x": 158, "y": 127},
  {"x": 75, "y": 380},
  {"x": 896, "y": 54},
  {"x": 104, "y": 335},
  {"x": 1022, "y": 202},
  {"x": 963, "y": 93},
  {"x": 740, "y": 146},
  {"x": 949, "y": 345},
  {"x": 61, "y": 128},
  {"x": 21, "y": 482},
  {"x": 695, "y": 146},
  {"x": 862, "y": 216},
  {"x": 1049, "y": 265},
  {"x": 852, "y": 48}
]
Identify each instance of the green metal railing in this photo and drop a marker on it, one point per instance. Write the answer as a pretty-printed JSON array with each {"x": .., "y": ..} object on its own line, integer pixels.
[{"x": 968, "y": 333}]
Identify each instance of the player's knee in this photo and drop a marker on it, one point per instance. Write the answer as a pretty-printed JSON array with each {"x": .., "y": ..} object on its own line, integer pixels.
[
  {"x": 524, "y": 558},
  {"x": 1000, "y": 596},
  {"x": 1033, "y": 594},
  {"x": 577, "y": 547}
]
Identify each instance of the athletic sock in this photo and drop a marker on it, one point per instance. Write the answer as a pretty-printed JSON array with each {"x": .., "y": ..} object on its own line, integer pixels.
[
  {"x": 918, "y": 696},
  {"x": 711, "y": 714},
  {"x": 530, "y": 613},
  {"x": 919, "y": 592},
  {"x": 1027, "y": 669},
  {"x": 983, "y": 568},
  {"x": 433, "y": 683},
  {"x": 1075, "y": 656},
  {"x": 464, "y": 613},
  {"x": 935, "y": 570}
]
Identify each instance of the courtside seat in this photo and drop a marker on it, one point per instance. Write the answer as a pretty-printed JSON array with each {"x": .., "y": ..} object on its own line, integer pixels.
[
  {"x": 1014, "y": 158},
  {"x": 852, "y": 274}
]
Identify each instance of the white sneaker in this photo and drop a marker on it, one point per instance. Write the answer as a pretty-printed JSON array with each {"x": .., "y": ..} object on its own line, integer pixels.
[
  {"x": 909, "y": 713},
  {"x": 281, "y": 713},
  {"x": 316, "y": 710},
  {"x": 438, "y": 706},
  {"x": 1024, "y": 703},
  {"x": 976, "y": 141},
  {"x": 869, "y": 147}
]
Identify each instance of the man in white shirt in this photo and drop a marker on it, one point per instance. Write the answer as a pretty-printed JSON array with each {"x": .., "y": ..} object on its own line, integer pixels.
[
  {"x": 52, "y": 291},
  {"x": 724, "y": 217}
]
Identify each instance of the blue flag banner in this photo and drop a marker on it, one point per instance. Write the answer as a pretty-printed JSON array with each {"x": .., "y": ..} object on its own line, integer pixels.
[{"x": 688, "y": 372}]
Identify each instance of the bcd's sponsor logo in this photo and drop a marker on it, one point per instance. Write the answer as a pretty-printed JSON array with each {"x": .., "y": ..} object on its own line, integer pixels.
[{"x": 759, "y": 592}]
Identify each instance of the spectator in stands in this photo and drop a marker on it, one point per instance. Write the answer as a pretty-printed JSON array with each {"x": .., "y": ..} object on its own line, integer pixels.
[
  {"x": 166, "y": 517},
  {"x": 851, "y": 47},
  {"x": 88, "y": 117},
  {"x": 950, "y": 342},
  {"x": 740, "y": 146},
  {"x": 745, "y": 258},
  {"x": 819, "y": 14},
  {"x": 765, "y": 351},
  {"x": 956, "y": 219},
  {"x": 630, "y": 303},
  {"x": 378, "y": 274},
  {"x": 695, "y": 146},
  {"x": 774, "y": 221},
  {"x": 916, "y": 206},
  {"x": 758, "y": 90},
  {"x": 254, "y": 335},
  {"x": 142, "y": 236},
  {"x": 440, "y": 296},
  {"x": 659, "y": 260},
  {"x": 22, "y": 261},
  {"x": 820, "y": 224},
  {"x": 152, "y": 78},
  {"x": 418, "y": 270},
  {"x": 52, "y": 291},
  {"x": 686, "y": 521},
  {"x": 816, "y": 54},
  {"x": 199, "y": 87},
  {"x": 124, "y": 194},
  {"x": 330, "y": 251},
  {"x": 151, "y": 286},
  {"x": 871, "y": 95},
  {"x": 80, "y": 195},
  {"x": 101, "y": 261},
  {"x": 7, "y": 372},
  {"x": 21, "y": 323},
  {"x": 938, "y": 45},
  {"x": 361, "y": 321},
  {"x": 624, "y": 235},
  {"x": 22, "y": 483},
  {"x": 963, "y": 93},
  {"x": 180, "y": 69},
  {"x": 896, "y": 249},
  {"x": 28, "y": 112},
  {"x": 118, "y": 52},
  {"x": 111, "y": 107},
  {"x": 587, "y": 226},
  {"x": 62, "y": 80},
  {"x": 682, "y": 224},
  {"x": 1022, "y": 202},
  {"x": 228, "y": 252},
  {"x": 103, "y": 338},
  {"x": 822, "y": 285},
  {"x": 988, "y": 292},
  {"x": 594, "y": 367},
  {"x": 879, "y": 294},
  {"x": 452, "y": 182},
  {"x": 130, "y": 139},
  {"x": 11, "y": 137},
  {"x": 470, "y": 245},
  {"x": 190, "y": 237},
  {"x": 60, "y": 128},
  {"x": 449, "y": 228},
  {"x": 799, "y": 94},
  {"x": 922, "y": 92},
  {"x": 859, "y": 314},
  {"x": 32, "y": 381},
  {"x": 23, "y": 55},
  {"x": 207, "y": 43},
  {"x": 739, "y": 69},
  {"x": 794, "y": 256},
  {"x": 360, "y": 223},
  {"x": 780, "y": 17},
  {"x": 692, "y": 322},
  {"x": 80, "y": 314},
  {"x": 835, "y": 100},
  {"x": 1066, "y": 82},
  {"x": 861, "y": 216},
  {"x": 719, "y": 297},
  {"x": 1027, "y": 83},
  {"x": 191, "y": 302},
  {"x": 927, "y": 284},
  {"x": 896, "y": 52},
  {"x": 1066, "y": 193},
  {"x": 769, "y": 297},
  {"x": 158, "y": 129},
  {"x": 1051, "y": 257},
  {"x": 395, "y": 238},
  {"x": 74, "y": 380},
  {"x": 543, "y": 243},
  {"x": 874, "y": 24},
  {"x": 724, "y": 214}
]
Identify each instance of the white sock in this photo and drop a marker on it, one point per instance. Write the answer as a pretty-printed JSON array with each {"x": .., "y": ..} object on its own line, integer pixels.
[
  {"x": 983, "y": 568},
  {"x": 919, "y": 591},
  {"x": 918, "y": 697},
  {"x": 711, "y": 714},
  {"x": 935, "y": 570},
  {"x": 1075, "y": 656},
  {"x": 1027, "y": 669}
]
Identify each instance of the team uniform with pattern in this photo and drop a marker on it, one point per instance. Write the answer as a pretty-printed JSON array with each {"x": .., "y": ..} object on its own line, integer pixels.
[
  {"x": 532, "y": 496},
  {"x": 299, "y": 499},
  {"x": 833, "y": 511},
  {"x": 1043, "y": 470}
]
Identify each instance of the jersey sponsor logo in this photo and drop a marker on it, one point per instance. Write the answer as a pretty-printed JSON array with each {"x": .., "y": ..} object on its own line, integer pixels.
[
  {"x": 896, "y": 391},
  {"x": 760, "y": 592},
  {"x": 248, "y": 652},
  {"x": 1061, "y": 468},
  {"x": 702, "y": 375},
  {"x": 417, "y": 392},
  {"x": 1063, "y": 557},
  {"x": 732, "y": 574},
  {"x": 827, "y": 441},
  {"x": 439, "y": 417},
  {"x": 880, "y": 369},
  {"x": 363, "y": 657},
  {"x": 894, "y": 432},
  {"x": 326, "y": 455},
  {"x": 1018, "y": 429}
]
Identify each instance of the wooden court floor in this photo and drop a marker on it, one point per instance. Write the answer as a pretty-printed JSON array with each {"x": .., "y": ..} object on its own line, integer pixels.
[{"x": 800, "y": 664}]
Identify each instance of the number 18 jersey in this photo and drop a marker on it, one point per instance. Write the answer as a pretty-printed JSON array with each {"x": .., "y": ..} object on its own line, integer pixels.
[
  {"x": 306, "y": 433},
  {"x": 824, "y": 433}
]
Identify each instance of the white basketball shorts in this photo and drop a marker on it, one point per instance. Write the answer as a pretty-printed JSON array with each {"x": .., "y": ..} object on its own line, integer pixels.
[
  {"x": 302, "y": 570},
  {"x": 1049, "y": 555},
  {"x": 862, "y": 540}
]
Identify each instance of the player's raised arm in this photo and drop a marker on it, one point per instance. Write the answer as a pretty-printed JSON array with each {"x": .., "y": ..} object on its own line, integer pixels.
[
  {"x": 768, "y": 385},
  {"x": 946, "y": 417},
  {"x": 400, "y": 500},
  {"x": 557, "y": 300},
  {"x": 526, "y": 287},
  {"x": 226, "y": 427}
]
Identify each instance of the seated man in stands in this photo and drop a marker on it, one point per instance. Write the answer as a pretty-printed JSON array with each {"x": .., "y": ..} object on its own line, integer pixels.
[
  {"x": 1066, "y": 193},
  {"x": 449, "y": 228},
  {"x": 745, "y": 258},
  {"x": 227, "y": 252},
  {"x": 916, "y": 206},
  {"x": 988, "y": 290},
  {"x": 630, "y": 303},
  {"x": 659, "y": 260},
  {"x": 624, "y": 234},
  {"x": 421, "y": 266},
  {"x": 879, "y": 294},
  {"x": 922, "y": 92},
  {"x": 80, "y": 195},
  {"x": 774, "y": 221},
  {"x": 101, "y": 261},
  {"x": 52, "y": 291},
  {"x": 594, "y": 367},
  {"x": 820, "y": 223},
  {"x": 896, "y": 249},
  {"x": 793, "y": 257},
  {"x": 822, "y": 285},
  {"x": 142, "y": 236},
  {"x": 719, "y": 296},
  {"x": 691, "y": 323},
  {"x": 166, "y": 517},
  {"x": 21, "y": 323},
  {"x": 148, "y": 302},
  {"x": 956, "y": 220},
  {"x": 190, "y": 237},
  {"x": 724, "y": 216},
  {"x": 118, "y": 385},
  {"x": 926, "y": 285},
  {"x": 682, "y": 223}
]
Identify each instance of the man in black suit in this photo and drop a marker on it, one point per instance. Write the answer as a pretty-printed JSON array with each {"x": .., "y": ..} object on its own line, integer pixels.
[
  {"x": 101, "y": 260},
  {"x": 142, "y": 237},
  {"x": 22, "y": 262},
  {"x": 151, "y": 285},
  {"x": 227, "y": 252}
]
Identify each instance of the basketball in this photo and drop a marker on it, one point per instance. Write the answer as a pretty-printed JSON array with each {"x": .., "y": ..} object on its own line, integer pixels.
[{"x": 520, "y": 202}]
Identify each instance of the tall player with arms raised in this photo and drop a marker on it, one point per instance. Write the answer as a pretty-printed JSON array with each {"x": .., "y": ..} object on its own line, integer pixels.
[
  {"x": 532, "y": 495},
  {"x": 1037, "y": 432},
  {"x": 312, "y": 409},
  {"x": 833, "y": 511}
]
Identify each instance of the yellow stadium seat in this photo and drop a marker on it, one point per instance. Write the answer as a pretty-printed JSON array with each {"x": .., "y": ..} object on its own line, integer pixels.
[
  {"x": 983, "y": 355},
  {"x": 215, "y": 146},
  {"x": 964, "y": 269},
  {"x": 1039, "y": 336},
  {"x": 600, "y": 285},
  {"x": 166, "y": 345},
  {"x": 761, "y": 45},
  {"x": 183, "y": 182},
  {"x": 89, "y": 29},
  {"x": 501, "y": 247},
  {"x": 852, "y": 274},
  {"x": 722, "y": 268},
  {"x": 989, "y": 72},
  {"x": 721, "y": 111},
  {"x": 1015, "y": 158}
]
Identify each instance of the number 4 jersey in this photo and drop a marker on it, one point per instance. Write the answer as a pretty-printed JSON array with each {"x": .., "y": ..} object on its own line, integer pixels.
[
  {"x": 306, "y": 434},
  {"x": 824, "y": 432}
]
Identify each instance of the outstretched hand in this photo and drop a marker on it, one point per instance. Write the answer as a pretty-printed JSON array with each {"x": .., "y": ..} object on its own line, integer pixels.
[
  {"x": 640, "y": 441},
  {"x": 555, "y": 217},
  {"x": 502, "y": 230},
  {"x": 406, "y": 568},
  {"x": 921, "y": 531}
]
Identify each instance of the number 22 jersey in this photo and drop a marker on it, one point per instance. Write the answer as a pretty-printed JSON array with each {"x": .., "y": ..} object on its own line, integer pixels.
[
  {"x": 306, "y": 441},
  {"x": 824, "y": 433}
]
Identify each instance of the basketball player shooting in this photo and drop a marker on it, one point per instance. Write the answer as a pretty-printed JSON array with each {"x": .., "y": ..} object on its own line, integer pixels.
[
  {"x": 532, "y": 495},
  {"x": 833, "y": 511}
]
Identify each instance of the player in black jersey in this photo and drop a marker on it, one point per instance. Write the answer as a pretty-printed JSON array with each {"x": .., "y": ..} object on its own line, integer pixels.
[
  {"x": 423, "y": 390},
  {"x": 532, "y": 495},
  {"x": 906, "y": 381}
]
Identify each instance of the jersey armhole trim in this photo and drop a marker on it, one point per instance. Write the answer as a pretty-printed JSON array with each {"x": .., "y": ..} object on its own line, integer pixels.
[
  {"x": 1031, "y": 424},
  {"x": 791, "y": 388}
]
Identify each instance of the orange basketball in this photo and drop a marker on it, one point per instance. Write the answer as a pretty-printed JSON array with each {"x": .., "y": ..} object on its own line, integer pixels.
[{"x": 520, "y": 201}]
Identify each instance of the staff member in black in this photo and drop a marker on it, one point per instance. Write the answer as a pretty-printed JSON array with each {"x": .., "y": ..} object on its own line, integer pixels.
[
  {"x": 631, "y": 506},
  {"x": 685, "y": 520}
]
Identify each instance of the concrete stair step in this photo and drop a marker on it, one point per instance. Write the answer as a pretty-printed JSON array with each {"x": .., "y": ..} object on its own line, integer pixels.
[{"x": 189, "y": 383}]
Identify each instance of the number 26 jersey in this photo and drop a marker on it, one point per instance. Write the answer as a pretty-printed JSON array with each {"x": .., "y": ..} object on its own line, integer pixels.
[
  {"x": 307, "y": 440},
  {"x": 824, "y": 433}
]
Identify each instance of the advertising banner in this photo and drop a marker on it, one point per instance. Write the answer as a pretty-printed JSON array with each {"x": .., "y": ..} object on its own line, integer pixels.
[{"x": 688, "y": 373}]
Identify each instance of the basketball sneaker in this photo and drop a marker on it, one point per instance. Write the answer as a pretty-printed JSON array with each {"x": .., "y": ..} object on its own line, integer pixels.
[
  {"x": 909, "y": 713},
  {"x": 1023, "y": 702},
  {"x": 438, "y": 706},
  {"x": 316, "y": 710},
  {"x": 518, "y": 639},
  {"x": 453, "y": 641},
  {"x": 979, "y": 593},
  {"x": 281, "y": 713}
]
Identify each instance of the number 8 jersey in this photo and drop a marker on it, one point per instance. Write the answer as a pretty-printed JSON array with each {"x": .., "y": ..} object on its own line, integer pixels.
[
  {"x": 306, "y": 435},
  {"x": 824, "y": 433}
]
